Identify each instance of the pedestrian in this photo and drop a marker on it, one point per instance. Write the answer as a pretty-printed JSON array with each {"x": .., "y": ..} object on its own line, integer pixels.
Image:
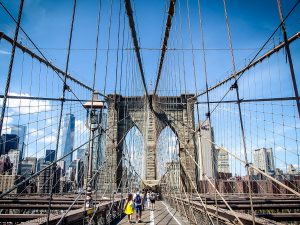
[
  {"x": 128, "y": 207},
  {"x": 148, "y": 200},
  {"x": 152, "y": 200},
  {"x": 138, "y": 201},
  {"x": 143, "y": 200}
]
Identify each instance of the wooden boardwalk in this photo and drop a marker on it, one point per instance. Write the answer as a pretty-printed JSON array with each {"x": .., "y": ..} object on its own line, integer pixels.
[{"x": 162, "y": 215}]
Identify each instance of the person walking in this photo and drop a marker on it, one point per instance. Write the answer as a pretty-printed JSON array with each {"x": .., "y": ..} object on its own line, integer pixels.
[
  {"x": 143, "y": 200},
  {"x": 152, "y": 200},
  {"x": 138, "y": 201},
  {"x": 128, "y": 207},
  {"x": 148, "y": 200}
]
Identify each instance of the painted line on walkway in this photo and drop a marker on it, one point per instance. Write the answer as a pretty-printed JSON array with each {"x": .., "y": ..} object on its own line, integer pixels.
[
  {"x": 151, "y": 217},
  {"x": 171, "y": 214}
]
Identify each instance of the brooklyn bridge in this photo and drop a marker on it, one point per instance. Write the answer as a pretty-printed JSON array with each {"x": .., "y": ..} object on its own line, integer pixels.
[{"x": 170, "y": 112}]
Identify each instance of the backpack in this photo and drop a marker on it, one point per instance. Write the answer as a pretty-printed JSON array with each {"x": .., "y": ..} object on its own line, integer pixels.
[{"x": 138, "y": 200}]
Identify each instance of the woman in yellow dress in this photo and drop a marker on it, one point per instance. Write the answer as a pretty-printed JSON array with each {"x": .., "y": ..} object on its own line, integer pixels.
[{"x": 128, "y": 207}]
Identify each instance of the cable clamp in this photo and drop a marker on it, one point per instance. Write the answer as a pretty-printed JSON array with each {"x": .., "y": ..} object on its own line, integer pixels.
[
  {"x": 67, "y": 87},
  {"x": 62, "y": 99},
  {"x": 234, "y": 86}
]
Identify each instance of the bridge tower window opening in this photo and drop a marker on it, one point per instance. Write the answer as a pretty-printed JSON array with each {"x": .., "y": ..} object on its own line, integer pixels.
[
  {"x": 135, "y": 155},
  {"x": 167, "y": 153}
]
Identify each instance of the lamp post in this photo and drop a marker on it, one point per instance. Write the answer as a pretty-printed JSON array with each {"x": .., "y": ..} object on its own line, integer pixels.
[{"x": 93, "y": 107}]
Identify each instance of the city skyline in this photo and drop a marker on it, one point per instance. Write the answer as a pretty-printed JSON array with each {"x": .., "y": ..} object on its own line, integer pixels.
[{"x": 38, "y": 136}]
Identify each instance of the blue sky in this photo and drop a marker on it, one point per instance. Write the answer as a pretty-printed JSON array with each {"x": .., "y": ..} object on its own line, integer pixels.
[
  {"x": 48, "y": 24},
  {"x": 251, "y": 22}
]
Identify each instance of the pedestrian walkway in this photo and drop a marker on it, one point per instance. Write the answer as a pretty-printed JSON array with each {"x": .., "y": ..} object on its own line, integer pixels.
[{"x": 162, "y": 215}]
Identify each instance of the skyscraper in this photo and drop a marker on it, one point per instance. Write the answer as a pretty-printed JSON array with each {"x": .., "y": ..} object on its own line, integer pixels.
[
  {"x": 20, "y": 130},
  {"x": 207, "y": 156},
  {"x": 68, "y": 138},
  {"x": 79, "y": 173},
  {"x": 28, "y": 166},
  {"x": 8, "y": 142},
  {"x": 44, "y": 181},
  {"x": 26, "y": 169},
  {"x": 40, "y": 162},
  {"x": 291, "y": 170},
  {"x": 14, "y": 156},
  {"x": 223, "y": 161},
  {"x": 7, "y": 182},
  {"x": 5, "y": 164},
  {"x": 50, "y": 155},
  {"x": 264, "y": 160}
]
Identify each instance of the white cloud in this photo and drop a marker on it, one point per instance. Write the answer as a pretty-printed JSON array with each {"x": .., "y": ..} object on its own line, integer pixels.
[
  {"x": 48, "y": 139},
  {"x": 49, "y": 121},
  {"x": 35, "y": 132},
  {"x": 2, "y": 52},
  {"x": 279, "y": 149},
  {"x": 7, "y": 121},
  {"x": 25, "y": 106},
  {"x": 295, "y": 166}
]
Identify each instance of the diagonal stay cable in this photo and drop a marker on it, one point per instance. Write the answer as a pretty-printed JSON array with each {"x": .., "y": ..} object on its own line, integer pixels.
[
  {"x": 252, "y": 62},
  {"x": 78, "y": 196},
  {"x": 233, "y": 155},
  {"x": 214, "y": 185},
  {"x": 241, "y": 122},
  {"x": 193, "y": 184},
  {"x": 165, "y": 42},
  {"x": 255, "y": 168},
  {"x": 167, "y": 123},
  {"x": 65, "y": 87},
  {"x": 255, "y": 62},
  {"x": 71, "y": 152},
  {"x": 43, "y": 56},
  {"x": 10, "y": 67},
  {"x": 115, "y": 148},
  {"x": 102, "y": 196},
  {"x": 119, "y": 164},
  {"x": 42, "y": 60},
  {"x": 45, "y": 168}
]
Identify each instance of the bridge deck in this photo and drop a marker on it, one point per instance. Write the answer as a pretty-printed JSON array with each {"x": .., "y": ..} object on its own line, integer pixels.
[{"x": 162, "y": 215}]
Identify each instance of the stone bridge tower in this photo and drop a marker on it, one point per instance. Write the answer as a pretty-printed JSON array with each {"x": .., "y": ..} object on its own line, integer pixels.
[{"x": 177, "y": 112}]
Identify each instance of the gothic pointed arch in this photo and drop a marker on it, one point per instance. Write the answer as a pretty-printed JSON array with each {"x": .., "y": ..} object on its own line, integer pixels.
[{"x": 176, "y": 112}]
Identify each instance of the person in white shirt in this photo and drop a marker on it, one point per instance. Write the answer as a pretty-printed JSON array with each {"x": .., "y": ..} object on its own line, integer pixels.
[{"x": 148, "y": 200}]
